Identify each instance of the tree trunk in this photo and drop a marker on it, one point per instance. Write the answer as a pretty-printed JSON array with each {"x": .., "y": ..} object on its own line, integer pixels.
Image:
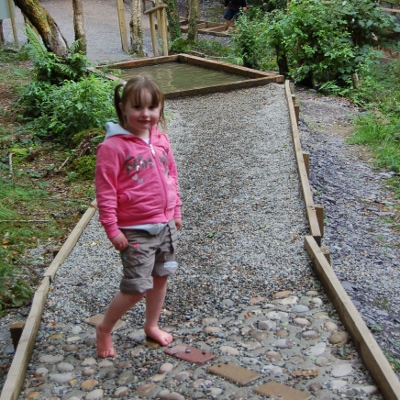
[
  {"x": 79, "y": 25},
  {"x": 136, "y": 28},
  {"x": 45, "y": 25},
  {"x": 193, "y": 32},
  {"x": 173, "y": 20}
]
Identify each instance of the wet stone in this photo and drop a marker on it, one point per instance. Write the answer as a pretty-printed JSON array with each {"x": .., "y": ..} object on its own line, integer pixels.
[
  {"x": 50, "y": 359},
  {"x": 283, "y": 344},
  {"x": 88, "y": 372},
  {"x": 267, "y": 325},
  {"x": 339, "y": 338},
  {"x": 96, "y": 394},
  {"x": 330, "y": 326},
  {"x": 89, "y": 384},
  {"x": 321, "y": 361},
  {"x": 316, "y": 350},
  {"x": 300, "y": 308},
  {"x": 317, "y": 302},
  {"x": 281, "y": 295},
  {"x": 302, "y": 321},
  {"x": 126, "y": 378},
  {"x": 121, "y": 391},
  {"x": 273, "y": 356},
  {"x": 41, "y": 372},
  {"x": 289, "y": 301},
  {"x": 310, "y": 335},
  {"x": 61, "y": 378},
  {"x": 342, "y": 370},
  {"x": 182, "y": 376},
  {"x": 65, "y": 367},
  {"x": 230, "y": 350},
  {"x": 144, "y": 389},
  {"x": 166, "y": 367},
  {"x": 167, "y": 395},
  {"x": 69, "y": 348},
  {"x": 88, "y": 361}
]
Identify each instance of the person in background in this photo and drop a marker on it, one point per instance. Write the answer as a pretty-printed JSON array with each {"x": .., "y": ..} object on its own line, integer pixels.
[
  {"x": 139, "y": 206},
  {"x": 232, "y": 11}
]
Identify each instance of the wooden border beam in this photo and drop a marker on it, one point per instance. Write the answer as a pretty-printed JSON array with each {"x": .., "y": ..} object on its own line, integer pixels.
[{"x": 302, "y": 169}]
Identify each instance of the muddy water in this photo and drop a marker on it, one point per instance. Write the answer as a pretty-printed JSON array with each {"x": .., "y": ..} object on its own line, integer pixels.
[{"x": 175, "y": 76}]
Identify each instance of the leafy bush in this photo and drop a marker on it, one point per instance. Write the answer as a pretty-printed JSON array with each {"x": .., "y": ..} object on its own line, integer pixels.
[
  {"x": 315, "y": 42},
  {"x": 70, "y": 108},
  {"x": 248, "y": 38}
]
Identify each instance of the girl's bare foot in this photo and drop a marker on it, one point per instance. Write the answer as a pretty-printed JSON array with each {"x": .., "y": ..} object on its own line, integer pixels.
[
  {"x": 160, "y": 336},
  {"x": 105, "y": 346}
]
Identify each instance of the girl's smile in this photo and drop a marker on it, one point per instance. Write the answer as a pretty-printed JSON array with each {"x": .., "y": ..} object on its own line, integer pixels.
[{"x": 139, "y": 118}]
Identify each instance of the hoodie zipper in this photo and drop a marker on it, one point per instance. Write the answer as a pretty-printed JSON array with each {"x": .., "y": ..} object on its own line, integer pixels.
[{"x": 159, "y": 174}]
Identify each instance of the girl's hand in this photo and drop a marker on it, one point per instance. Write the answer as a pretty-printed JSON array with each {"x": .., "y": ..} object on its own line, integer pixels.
[
  {"x": 178, "y": 223},
  {"x": 120, "y": 242}
]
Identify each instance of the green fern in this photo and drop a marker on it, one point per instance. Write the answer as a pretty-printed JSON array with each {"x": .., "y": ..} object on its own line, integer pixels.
[{"x": 52, "y": 69}]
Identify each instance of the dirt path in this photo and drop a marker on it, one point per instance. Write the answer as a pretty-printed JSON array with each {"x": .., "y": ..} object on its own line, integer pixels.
[{"x": 103, "y": 44}]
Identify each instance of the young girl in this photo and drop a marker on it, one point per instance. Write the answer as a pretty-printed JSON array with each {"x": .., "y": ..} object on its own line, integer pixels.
[{"x": 139, "y": 206}]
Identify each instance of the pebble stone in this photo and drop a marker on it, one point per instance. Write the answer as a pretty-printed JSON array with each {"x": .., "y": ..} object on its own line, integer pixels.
[{"x": 284, "y": 335}]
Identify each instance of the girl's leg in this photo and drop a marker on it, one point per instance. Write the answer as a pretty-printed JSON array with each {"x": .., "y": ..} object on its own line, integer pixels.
[
  {"x": 154, "y": 303},
  {"x": 120, "y": 304}
]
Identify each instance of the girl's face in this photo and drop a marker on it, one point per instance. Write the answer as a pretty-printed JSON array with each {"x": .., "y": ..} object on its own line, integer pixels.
[{"x": 139, "y": 118}]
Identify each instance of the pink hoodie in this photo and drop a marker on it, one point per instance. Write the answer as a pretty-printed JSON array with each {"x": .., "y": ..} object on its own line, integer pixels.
[{"x": 136, "y": 183}]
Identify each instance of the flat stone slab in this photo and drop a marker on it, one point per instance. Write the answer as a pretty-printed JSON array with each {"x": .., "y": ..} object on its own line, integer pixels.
[
  {"x": 235, "y": 373},
  {"x": 190, "y": 353},
  {"x": 279, "y": 391}
]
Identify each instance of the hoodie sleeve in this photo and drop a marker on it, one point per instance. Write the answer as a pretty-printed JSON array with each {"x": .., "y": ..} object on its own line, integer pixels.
[{"x": 106, "y": 178}]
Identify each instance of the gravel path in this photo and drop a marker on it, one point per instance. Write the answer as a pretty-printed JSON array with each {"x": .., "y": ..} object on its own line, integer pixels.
[{"x": 245, "y": 291}]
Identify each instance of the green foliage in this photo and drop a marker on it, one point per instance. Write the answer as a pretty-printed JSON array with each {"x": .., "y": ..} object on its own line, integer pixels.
[
  {"x": 248, "y": 38},
  {"x": 58, "y": 112},
  {"x": 84, "y": 167},
  {"x": 366, "y": 21},
  {"x": 316, "y": 43},
  {"x": 52, "y": 69}
]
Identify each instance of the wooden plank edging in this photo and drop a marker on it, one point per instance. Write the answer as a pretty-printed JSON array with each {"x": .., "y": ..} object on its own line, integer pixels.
[
  {"x": 372, "y": 355},
  {"x": 16, "y": 374},
  {"x": 302, "y": 169}
]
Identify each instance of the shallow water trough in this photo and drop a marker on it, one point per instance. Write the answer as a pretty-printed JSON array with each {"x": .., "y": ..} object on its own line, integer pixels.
[{"x": 185, "y": 75}]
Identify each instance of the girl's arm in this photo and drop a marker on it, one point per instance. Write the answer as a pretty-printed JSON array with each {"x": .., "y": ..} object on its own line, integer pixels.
[{"x": 106, "y": 183}]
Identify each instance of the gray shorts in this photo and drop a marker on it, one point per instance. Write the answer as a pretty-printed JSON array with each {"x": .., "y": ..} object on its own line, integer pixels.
[{"x": 147, "y": 256}]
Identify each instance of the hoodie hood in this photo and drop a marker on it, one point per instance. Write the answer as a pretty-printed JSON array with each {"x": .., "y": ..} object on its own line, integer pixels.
[{"x": 113, "y": 129}]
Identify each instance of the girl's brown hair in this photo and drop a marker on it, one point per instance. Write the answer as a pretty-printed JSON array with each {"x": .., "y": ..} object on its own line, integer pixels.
[{"x": 132, "y": 93}]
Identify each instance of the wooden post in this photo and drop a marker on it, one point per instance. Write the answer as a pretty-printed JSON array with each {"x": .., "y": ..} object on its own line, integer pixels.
[
  {"x": 153, "y": 34},
  {"x": 306, "y": 157},
  {"x": 320, "y": 216},
  {"x": 122, "y": 25},
  {"x": 12, "y": 16},
  {"x": 16, "y": 329},
  {"x": 161, "y": 25},
  {"x": 163, "y": 28}
]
